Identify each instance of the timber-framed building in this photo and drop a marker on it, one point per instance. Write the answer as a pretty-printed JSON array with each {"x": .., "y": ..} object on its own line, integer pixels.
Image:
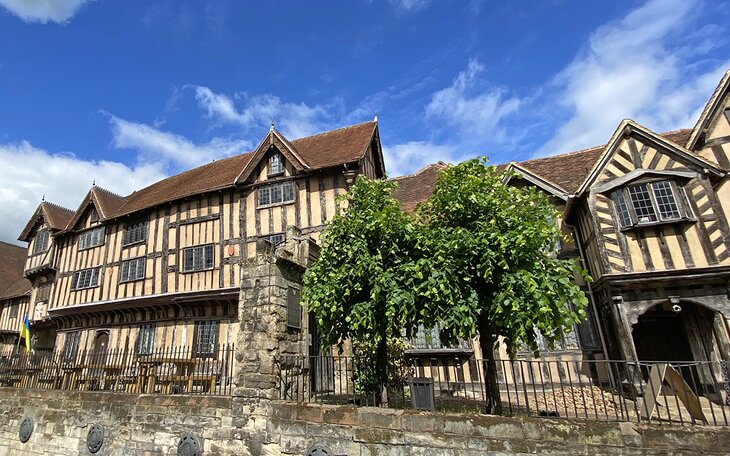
[
  {"x": 647, "y": 214},
  {"x": 161, "y": 267}
]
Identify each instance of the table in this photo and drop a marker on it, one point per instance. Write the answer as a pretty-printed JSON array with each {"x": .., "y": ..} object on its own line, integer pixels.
[{"x": 151, "y": 371}]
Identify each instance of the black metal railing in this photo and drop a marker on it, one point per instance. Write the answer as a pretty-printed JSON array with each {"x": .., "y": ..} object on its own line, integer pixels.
[
  {"x": 168, "y": 370},
  {"x": 675, "y": 392}
]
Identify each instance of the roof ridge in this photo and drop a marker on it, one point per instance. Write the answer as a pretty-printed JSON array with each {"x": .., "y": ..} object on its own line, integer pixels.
[
  {"x": 335, "y": 130},
  {"x": 98, "y": 187},
  {"x": 439, "y": 164},
  {"x": 187, "y": 171},
  {"x": 12, "y": 245},
  {"x": 666, "y": 133},
  {"x": 58, "y": 206}
]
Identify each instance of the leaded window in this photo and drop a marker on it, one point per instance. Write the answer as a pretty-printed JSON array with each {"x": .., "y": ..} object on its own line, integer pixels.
[
  {"x": 43, "y": 293},
  {"x": 71, "y": 345},
  {"x": 132, "y": 269},
  {"x": 666, "y": 203},
  {"x": 135, "y": 232},
  {"x": 206, "y": 336},
  {"x": 276, "y": 164},
  {"x": 658, "y": 201},
  {"x": 276, "y": 239},
  {"x": 14, "y": 308},
  {"x": 145, "y": 339},
  {"x": 40, "y": 243},
  {"x": 276, "y": 193},
  {"x": 641, "y": 201},
  {"x": 619, "y": 201},
  {"x": 198, "y": 258},
  {"x": 86, "y": 278},
  {"x": 91, "y": 238}
]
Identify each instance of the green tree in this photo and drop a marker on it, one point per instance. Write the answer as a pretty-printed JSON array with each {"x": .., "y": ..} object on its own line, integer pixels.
[
  {"x": 361, "y": 286},
  {"x": 496, "y": 248}
]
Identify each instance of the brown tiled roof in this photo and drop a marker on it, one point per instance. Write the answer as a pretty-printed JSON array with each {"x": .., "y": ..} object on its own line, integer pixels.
[
  {"x": 57, "y": 217},
  {"x": 109, "y": 202},
  {"x": 571, "y": 169},
  {"x": 210, "y": 177},
  {"x": 12, "y": 263},
  {"x": 566, "y": 170},
  {"x": 344, "y": 145},
  {"x": 417, "y": 187}
]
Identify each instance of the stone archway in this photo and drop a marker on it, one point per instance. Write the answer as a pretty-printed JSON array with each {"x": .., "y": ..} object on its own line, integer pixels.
[{"x": 686, "y": 334}]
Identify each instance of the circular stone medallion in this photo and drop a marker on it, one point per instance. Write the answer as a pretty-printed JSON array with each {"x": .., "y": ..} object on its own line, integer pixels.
[
  {"x": 26, "y": 429},
  {"x": 95, "y": 438},
  {"x": 319, "y": 450},
  {"x": 188, "y": 445}
]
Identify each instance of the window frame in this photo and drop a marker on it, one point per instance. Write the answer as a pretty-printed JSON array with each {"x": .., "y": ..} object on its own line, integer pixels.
[
  {"x": 122, "y": 278},
  {"x": 270, "y": 238},
  {"x": 269, "y": 190},
  {"x": 678, "y": 194},
  {"x": 14, "y": 309},
  {"x": 129, "y": 226},
  {"x": 280, "y": 163},
  {"x": 86, "y": 237},
  {"x": 192, "y": 249},
  {"x": 93, "y": 279},
  {"x": 211, "y": 326},
  {"x": 145, "y": 342},
  {"x": 71, "y": 343},
  {"x": 46, "y": 237}
]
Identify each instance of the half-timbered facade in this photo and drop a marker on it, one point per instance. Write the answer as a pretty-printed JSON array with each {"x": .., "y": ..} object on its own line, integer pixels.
[
  {"x": 14, "y": 295},
  {"x": 647, "y": 214},
  {"x": 161, "y": 267}
]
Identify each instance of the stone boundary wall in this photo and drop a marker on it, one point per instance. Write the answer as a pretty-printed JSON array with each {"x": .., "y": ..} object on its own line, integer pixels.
[
  {"x": 133, "y": 424},
  {"x": 137, "y": 425},
  {"x": 348, "y": 430}
]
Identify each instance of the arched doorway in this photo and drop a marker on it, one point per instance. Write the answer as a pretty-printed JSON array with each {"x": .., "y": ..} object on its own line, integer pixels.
[
  {"x": 101, "y": 346},
  {"x": 683, "y": 334},
  {"x": 660, "y": 335}
]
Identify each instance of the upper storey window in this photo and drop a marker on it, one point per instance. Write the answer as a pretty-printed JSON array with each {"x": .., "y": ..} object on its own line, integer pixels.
[
  {"x": 198, "y": 258},
  {"x": 135, "y": 232},
  {"x": 276, "y": 193},
  {"x": 86, "y": 278},
  {"x": 40, "y": 243},
  {"x": 91, "y": 238},
  {"x": 727, "y": 114},
  {"x": 276, "y": 164},
  {"x": 649, "y": 203}
]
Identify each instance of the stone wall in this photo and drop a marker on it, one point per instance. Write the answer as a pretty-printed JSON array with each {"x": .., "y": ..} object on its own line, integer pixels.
[
  {"x": 136, "y": 425},
  {"x": 133, "y": 424}
]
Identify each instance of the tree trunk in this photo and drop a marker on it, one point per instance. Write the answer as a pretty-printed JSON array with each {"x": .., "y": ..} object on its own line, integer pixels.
[
  {"x": 494, "y": 400},
  {"x": 381, "y": 371}
]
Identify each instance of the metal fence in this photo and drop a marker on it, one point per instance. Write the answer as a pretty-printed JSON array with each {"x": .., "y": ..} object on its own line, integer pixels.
[
  {"x": 169, "y": 370},
  {"x": 676, "y": 392}
]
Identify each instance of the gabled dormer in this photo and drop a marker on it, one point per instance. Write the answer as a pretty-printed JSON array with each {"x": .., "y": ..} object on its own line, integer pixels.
[
  {"x": 88, "y": 221},
  {"x": 274, "y": 164},
  {"x": 47, "y": 221},
  {"x": 652, "y": 204}
]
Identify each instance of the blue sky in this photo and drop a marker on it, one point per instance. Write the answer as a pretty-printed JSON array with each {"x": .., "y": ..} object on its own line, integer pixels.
[{"x": 126, "y": 93}]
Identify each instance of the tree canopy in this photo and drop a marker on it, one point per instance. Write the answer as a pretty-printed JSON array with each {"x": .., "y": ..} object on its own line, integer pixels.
[{"x": 478, "y": 258}]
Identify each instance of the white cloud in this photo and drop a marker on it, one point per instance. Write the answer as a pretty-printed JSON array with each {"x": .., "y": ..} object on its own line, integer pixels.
[
  {"x": 643, "y": 67},
  {"x": 471, "y": 110},
  {"x": 63, "y": 178},
  {"x": 294, "y": 120},
  {"x": 411, "y": 156},
  {"x": 43, "y": 11},
  {"x": 408, "y": 5},
  {"x": 172, "y": 151}
]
